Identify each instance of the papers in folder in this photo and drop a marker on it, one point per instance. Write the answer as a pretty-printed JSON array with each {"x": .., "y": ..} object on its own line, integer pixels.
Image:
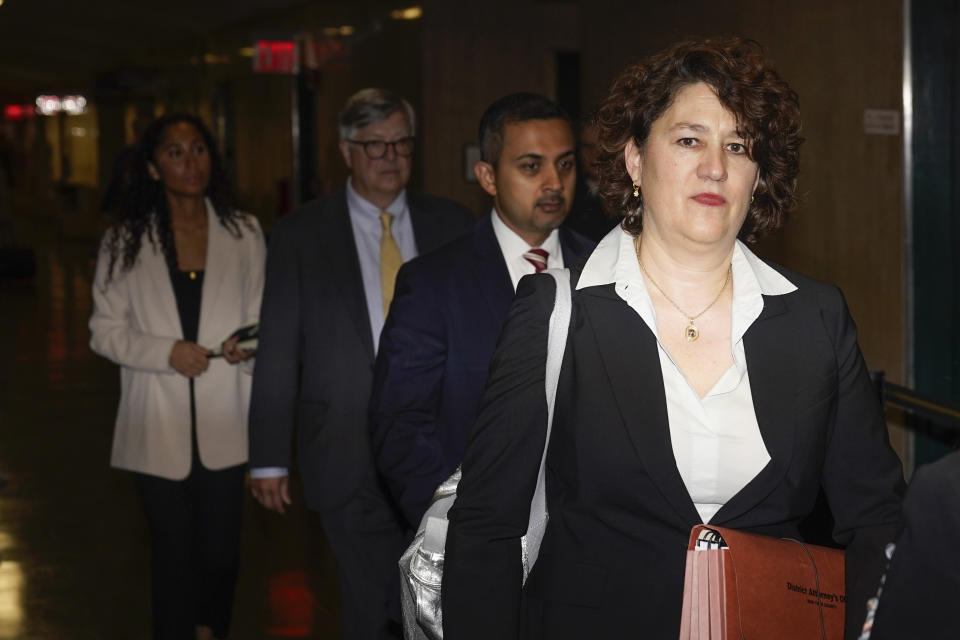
[{"x": 744, "y": 585}]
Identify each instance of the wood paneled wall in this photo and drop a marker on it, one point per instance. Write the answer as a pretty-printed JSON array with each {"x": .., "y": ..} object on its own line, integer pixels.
[
  {"x": 841, "y": 58},
  {"x": 474, "y": 53}
]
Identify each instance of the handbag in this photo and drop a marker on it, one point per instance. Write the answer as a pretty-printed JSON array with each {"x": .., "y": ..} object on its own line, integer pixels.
[
  {"x": 745, "y": 585},
  {"x": 421, "y": 565}
]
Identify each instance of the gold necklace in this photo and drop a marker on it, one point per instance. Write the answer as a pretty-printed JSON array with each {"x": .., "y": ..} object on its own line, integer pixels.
[{"x": 690, "y": 332}]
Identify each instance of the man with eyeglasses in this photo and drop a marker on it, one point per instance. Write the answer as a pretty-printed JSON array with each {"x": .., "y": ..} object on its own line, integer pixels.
[{"x": 329, "y": 282}]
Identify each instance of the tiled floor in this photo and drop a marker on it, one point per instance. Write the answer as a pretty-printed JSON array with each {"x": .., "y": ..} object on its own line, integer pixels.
[{"x": 73, "y": 542}]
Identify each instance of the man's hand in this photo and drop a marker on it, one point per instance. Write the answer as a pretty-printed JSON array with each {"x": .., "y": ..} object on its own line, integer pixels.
[
  {"x": 273, "y": 493},
  {"x": 189, "y": 358}
]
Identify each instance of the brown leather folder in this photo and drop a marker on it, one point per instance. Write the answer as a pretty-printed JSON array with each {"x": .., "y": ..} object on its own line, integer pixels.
[{"x": 759, "y": 587}]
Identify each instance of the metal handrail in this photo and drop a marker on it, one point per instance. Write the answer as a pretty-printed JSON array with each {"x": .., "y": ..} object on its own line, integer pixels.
[{"x": 934, "y": 417}]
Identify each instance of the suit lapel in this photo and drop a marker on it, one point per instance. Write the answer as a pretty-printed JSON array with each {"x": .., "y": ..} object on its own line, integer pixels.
[
  {"x": 156, "y": 274},
  {"x": 768, "y": 346},
  {"x": 339, "y": 245},
  {"x": 490, "y": 271},
  {"x": 633, "y": 366}
]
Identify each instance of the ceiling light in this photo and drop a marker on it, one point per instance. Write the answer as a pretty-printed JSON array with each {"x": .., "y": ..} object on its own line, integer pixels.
[
  {"x": 212, "y": 58},
  {"x": 73, "y": 105},
  {"x": 410, "y": 13},
  {"x": 48, "y": 105}
]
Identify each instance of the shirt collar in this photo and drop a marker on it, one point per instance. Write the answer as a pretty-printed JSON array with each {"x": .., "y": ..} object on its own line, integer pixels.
[
  {"x": 614, "y": 261},
  {"x": 366, "y": 210},
  {"x": 513, "y": 245}
]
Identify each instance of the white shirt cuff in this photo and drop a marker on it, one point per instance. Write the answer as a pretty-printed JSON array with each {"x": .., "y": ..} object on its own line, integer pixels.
[{"x": 268, "y": 472}]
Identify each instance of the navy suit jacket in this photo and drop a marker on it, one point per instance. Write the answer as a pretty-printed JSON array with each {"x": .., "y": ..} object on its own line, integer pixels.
[{"x": 434, "y": 353}]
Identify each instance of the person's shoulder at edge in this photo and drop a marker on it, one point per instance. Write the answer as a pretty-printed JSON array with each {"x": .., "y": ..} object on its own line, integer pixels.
[{"x": 940, "y": 477}]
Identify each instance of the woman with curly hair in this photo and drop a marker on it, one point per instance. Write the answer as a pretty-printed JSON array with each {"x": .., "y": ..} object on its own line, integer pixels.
[
  {"x": 179, "y": 271},
  {"x": 700, "y": 384}
]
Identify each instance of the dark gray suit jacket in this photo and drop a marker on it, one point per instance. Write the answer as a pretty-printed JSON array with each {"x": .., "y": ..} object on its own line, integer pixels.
[{"x": 314, "y": 366}]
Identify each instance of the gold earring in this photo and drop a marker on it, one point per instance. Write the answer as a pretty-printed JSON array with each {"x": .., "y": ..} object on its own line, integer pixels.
[{"x": 636, "y": 190}]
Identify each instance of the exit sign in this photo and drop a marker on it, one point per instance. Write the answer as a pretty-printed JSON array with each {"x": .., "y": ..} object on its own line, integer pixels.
[{"x": 276, "y": 56}]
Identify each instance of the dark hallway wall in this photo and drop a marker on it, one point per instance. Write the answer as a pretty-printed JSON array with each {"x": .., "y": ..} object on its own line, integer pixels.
[{"x": 472, "y": 55}]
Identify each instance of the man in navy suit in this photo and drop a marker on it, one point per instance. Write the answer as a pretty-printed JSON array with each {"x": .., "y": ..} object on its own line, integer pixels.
[{"x": 449, "y": 305}]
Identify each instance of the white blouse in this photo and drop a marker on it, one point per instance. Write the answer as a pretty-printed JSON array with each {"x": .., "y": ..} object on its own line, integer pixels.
[{"x": 716, "y": 439}]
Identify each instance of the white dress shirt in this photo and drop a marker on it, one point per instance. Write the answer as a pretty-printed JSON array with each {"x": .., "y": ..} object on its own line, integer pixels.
[
  {"x": 716, "y": 440},
  {"x": 513, "y": 247},
  {"x": 367, "y": 230}
]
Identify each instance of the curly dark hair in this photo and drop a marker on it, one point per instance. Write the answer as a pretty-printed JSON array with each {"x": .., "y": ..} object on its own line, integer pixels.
[
  {"x": 767, "y": 111},
  {"x": 144, "y": 209}
]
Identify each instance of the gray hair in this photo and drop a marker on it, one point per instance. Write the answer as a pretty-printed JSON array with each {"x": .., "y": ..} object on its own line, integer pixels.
[{"x": 369, "y": 106}]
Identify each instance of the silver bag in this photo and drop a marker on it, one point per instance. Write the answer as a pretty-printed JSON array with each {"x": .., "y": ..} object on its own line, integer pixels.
[{"x": 421, "y": 565}]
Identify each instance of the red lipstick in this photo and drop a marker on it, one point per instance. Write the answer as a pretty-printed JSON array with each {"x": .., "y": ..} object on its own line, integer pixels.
[{"x": 710, "y": 199}]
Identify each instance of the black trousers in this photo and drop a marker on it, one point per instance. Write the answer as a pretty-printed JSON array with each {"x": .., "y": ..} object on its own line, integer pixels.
[
  {"x": 195, "y": 536},
  {"x": 367, "y": 538}
]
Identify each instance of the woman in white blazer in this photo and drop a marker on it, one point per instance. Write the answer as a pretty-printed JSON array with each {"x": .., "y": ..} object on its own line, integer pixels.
[{"x": 178, "y": 273}]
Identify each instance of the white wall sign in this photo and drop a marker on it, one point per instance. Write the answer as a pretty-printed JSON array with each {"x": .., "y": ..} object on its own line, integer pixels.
[{"x": 881, "y": 122}]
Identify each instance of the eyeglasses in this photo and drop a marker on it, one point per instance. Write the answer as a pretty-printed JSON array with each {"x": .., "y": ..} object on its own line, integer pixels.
[{"x": 376, "y": 149}]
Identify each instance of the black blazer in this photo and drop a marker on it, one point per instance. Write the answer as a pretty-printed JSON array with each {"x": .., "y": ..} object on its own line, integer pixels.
[
  {"x": 922, "y": 583},
  {"x": 434, "y": 353},
  {"x": 612, "y": 560},
  {"x": 314, "y": 365}
]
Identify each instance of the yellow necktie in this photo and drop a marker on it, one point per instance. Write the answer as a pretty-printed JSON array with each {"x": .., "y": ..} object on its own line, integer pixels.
[{"x": 390, "y": 260}]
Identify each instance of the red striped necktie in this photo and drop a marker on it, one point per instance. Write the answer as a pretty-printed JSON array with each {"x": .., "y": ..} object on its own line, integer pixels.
[{"x": 538, "y": 258}]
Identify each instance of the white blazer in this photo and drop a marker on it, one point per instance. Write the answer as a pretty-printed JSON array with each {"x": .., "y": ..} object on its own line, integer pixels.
[{"x": 135, "y": 323}]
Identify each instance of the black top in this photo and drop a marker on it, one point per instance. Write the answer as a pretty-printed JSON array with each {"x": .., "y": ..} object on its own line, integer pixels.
[{"x": 187, "y": 288}]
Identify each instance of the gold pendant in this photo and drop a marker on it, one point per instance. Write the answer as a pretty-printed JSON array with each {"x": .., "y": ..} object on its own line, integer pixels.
[
  {"x": 691, "y": 332},
  {"x": 193, "y": 275}
]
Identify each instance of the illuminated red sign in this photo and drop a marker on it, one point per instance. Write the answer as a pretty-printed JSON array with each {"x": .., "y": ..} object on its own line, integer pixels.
[
  {"x": 18, "y": 111},
  {"x": 276, "y": 56}
]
